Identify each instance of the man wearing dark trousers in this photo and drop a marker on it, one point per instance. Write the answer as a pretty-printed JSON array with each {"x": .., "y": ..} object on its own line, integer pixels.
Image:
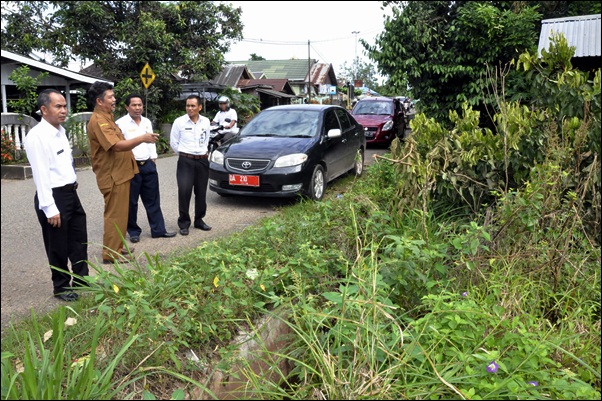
[
  {"x": 190, "y": 139},
  {"x": 145, "y": 184},
  {"x": 59, "y": 210}
]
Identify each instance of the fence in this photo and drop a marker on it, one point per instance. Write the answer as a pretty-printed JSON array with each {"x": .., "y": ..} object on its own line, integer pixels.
[{"x": 18, "y": 125}]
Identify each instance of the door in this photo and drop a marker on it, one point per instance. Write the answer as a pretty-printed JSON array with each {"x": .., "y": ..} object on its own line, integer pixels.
[
  {"x": 351, "y": 138},
  {"x": 335, "y": 149}
]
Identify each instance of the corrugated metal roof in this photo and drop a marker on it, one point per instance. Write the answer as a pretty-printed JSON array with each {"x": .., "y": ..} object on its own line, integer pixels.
[
  {"x": 582, "y": 31},
  {"x": 66, "y": 74},
  {"x": 231, "y": 74}
]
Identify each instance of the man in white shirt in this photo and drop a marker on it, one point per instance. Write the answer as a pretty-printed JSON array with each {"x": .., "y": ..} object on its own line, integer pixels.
[
  {"x": 189, "y": 138},
  {"x": 59, "y": 210},
  {"x": 145, "y": 184},
  {"x": 226, "y": 113}
]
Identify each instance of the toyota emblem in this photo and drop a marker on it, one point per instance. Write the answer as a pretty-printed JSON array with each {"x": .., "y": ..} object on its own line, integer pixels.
[{"x": 246, "y": 165}]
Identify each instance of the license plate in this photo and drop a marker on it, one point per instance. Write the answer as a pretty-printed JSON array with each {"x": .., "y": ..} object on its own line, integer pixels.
[
  {"x": 244, "y": 180},
  {"x": 369, "y": 134}
]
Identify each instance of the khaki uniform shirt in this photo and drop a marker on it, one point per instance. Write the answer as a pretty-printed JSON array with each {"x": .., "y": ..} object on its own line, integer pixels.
[{"x": 111, "y": 168}]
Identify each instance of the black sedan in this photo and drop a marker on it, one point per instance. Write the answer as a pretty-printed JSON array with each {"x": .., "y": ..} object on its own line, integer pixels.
[{"x": 287, "y": 151}]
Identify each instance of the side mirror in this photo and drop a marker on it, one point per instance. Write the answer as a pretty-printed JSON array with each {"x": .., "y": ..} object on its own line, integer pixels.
[{"x": 334, "y": 133}]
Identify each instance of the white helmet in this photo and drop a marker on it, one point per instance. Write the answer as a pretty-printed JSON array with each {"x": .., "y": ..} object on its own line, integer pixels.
[{"x": 224, "y": 99}]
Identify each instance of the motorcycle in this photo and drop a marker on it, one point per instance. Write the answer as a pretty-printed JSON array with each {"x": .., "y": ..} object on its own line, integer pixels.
[{"x": 217, "y": 136}]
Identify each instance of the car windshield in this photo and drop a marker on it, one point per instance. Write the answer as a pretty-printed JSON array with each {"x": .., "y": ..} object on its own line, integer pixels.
[
  {"x": 373, "y": 107},
  {"x": 284, "y": 123}
]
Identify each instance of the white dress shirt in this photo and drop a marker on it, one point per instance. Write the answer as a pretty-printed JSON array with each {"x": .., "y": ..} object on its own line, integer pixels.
[
  {"x": 189, "y": 137},
  {"x": 49, "y": 155},
  {"x": 221, "y": 116},
  {"x": 131, "y": 129}
]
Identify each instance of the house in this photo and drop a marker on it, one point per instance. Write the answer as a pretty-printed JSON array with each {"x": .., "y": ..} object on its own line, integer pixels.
[
  {"x": 271, "y": 92},
  {"x": 582, "y": 32},
  {"x": 299, "y": 73},
  {"x": 59, "y": 78}
]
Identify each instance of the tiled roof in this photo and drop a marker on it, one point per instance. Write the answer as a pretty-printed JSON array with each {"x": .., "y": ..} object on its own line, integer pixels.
[
  {"x": 293, "y": 70},
  {"x": 583, "y": 32}
]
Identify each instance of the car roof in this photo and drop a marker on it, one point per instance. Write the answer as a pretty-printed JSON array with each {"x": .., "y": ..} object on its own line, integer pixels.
[
  {"x": 302, "y": 107},
  {"x": 373, "y": 98}
]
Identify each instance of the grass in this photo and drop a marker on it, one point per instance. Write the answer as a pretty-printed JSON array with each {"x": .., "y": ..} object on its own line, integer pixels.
[{"x": 376, "y": 305}]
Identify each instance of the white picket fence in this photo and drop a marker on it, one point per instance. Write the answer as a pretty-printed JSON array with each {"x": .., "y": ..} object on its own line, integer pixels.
[{"x": 17, "y": 126}]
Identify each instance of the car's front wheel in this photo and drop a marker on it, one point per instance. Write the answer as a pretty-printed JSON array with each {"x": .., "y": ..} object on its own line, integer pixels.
[{"x": 317, "y": 185}]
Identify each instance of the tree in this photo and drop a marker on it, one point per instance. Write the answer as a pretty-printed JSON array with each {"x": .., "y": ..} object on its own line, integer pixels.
[
  {"x": 365, "y": 72},
  {"x": 442, "y": 48},
  {"x": 28, "y": 86},
  {"x": 255, "y": 57},
  {"x": 178, "y": 39}
]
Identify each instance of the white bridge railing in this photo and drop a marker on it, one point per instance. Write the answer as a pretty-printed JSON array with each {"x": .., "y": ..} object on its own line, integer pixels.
[{"x": 17, "y": 126}]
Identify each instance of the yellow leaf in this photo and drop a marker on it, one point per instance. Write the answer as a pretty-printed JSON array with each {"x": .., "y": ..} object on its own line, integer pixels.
[
  {"x": 19, "y": 367},
  {"x": 216, "y": 281},
  {"x": 262, "y": 286},
  {"x": 116, "y": 289},
  {"x": 47, "y": 335},
  {"x": 70, "y": 321}
]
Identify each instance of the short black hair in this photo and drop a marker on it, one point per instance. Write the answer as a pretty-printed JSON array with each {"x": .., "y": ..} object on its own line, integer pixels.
[
  {"x": 131, "y": 96},
  {"x": 44, "y": 97},
  {"x": 197, "y": 97},
  {"x": 97, "y": 91}
]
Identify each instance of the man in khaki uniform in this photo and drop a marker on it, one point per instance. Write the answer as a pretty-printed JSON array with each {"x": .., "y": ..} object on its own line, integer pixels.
[{"x": 114, "y": 165}]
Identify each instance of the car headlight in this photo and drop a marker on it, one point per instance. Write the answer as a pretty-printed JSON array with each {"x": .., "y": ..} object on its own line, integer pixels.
[
  {"x": 290, "y": 160},
  {"x": 217, "y": 157},
  {"x": 388, "y": 125}
]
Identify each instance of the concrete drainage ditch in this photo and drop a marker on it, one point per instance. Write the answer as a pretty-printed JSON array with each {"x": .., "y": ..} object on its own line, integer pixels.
[{"x": 274, "y": 336}]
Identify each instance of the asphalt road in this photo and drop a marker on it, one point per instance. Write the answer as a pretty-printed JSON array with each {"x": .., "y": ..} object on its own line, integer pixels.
[{"x": 26, "y": 282}]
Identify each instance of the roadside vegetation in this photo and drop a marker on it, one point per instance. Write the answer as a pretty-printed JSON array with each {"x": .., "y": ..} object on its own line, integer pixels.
[{"x": 463, "y": 265}]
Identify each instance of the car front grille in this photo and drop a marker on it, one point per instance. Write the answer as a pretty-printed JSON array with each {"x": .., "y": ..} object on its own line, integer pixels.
[{"x": 247, "y": 165}]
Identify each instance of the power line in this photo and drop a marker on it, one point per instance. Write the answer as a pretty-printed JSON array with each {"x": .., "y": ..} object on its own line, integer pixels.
[{"x": 295, "y": 43}]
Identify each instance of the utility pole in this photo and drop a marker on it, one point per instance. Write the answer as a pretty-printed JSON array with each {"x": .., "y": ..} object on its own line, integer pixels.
[
  {"x": 355, "y": 59},
  {"x": 308, "y": 74}
]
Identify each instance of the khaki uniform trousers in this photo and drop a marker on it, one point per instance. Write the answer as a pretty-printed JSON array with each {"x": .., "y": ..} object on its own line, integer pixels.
[{"x": 117, "y": 201}]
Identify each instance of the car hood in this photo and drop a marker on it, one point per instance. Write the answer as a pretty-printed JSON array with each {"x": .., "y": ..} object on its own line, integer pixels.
[
  {"x": 264, "y": 147},
  {"x": 369, "y": 120}
]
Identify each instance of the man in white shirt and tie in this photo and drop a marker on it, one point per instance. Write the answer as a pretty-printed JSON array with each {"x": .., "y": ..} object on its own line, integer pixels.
[
  {"x": 57, "y": 205},
  {"x": 145, "y": 184}
]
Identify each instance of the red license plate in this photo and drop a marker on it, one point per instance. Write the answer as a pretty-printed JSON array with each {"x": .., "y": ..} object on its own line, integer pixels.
[{"x": 245, "y": 180}]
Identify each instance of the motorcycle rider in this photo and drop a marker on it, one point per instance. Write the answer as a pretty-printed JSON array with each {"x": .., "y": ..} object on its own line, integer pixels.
[{"x": 227, "y": 118}]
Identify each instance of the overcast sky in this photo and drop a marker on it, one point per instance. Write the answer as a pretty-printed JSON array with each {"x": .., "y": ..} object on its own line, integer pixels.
[{"x": 280, "y": 30}]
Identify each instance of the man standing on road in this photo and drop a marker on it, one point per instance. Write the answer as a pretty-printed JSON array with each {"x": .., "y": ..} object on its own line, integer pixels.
[
  {"x": 59, "y": 210},
  {"x": 114, "y": 165},
  {"x": 190, "y": 139},
  {"x": 145, "y": 184}
]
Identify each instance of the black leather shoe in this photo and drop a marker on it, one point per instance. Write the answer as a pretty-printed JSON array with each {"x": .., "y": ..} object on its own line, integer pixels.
[
  {"x": 183, "y": 231},
  {"x": 166, "y": 235},
  {"x": 134, "y": 239},
  {"x": 67, "y": 296},
  {"x": 203, "y": 226}
]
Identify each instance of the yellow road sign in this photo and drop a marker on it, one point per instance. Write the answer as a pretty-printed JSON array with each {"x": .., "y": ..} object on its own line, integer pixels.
[{"x": 147, "y": 75}]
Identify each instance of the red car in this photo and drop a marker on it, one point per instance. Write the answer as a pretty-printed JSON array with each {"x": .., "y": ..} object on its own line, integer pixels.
[{"x": 383, "y": 119}]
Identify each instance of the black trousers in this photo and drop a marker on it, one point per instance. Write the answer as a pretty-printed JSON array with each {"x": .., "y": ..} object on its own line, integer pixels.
[
  {"x": 192, "y": 175},
  {"x": 145, "y": 185},
  {"x": 69, "y": 242}
]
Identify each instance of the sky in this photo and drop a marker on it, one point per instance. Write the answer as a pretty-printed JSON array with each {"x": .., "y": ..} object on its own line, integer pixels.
[{"x": 281, "y": 30}]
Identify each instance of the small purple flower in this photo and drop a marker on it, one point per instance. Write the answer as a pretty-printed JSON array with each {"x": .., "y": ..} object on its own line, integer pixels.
[
  {"x": 465, "y": 294},
  {"x": 533, "y": 383},
  {"x": 493, "y": 367}
]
